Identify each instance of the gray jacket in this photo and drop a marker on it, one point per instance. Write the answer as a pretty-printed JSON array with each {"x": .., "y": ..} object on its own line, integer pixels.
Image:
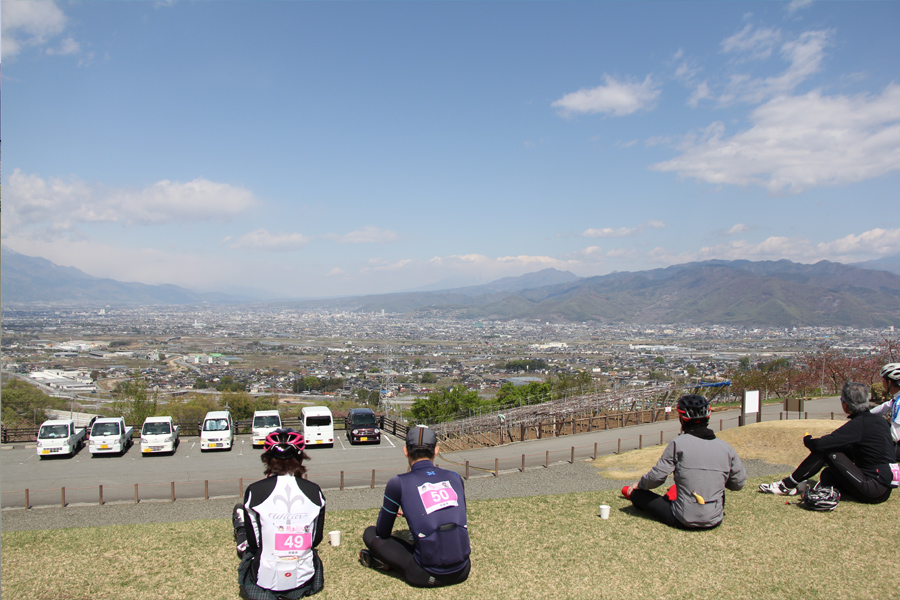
[{"x": 704, "y": 467}]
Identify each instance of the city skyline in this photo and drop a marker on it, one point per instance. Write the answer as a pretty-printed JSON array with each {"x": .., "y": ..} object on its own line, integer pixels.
[{"x": 322, "y": 149}]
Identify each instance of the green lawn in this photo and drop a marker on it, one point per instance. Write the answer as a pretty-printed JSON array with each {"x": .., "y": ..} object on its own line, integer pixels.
[{"x": 540, "y": 547}]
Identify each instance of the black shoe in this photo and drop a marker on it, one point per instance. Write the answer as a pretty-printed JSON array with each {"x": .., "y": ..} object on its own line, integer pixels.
[{"x": 367, "y": 560}]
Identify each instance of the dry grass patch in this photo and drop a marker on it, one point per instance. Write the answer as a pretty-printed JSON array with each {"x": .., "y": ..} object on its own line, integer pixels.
[
  {"x": 776, "y": 442},
  {"x": 552, "y": 547}
]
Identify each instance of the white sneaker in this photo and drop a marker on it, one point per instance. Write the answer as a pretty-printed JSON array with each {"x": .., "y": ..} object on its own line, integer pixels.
[{"x": 778, "y": 488}]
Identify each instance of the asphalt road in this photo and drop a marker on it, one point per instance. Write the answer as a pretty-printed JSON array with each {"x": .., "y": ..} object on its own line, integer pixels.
[{"x": 220, "y": 473}]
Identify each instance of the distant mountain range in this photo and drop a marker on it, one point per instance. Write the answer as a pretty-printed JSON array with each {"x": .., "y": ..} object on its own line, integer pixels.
[
  {"x": 777, "y": 293},
  {"x": 28, "y": 279},
  {"x": 773, "y": 293}
]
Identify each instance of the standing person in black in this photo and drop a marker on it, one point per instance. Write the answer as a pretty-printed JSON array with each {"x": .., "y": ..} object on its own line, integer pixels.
[
  {"x": 433, "y": 502},
  {"x": 856, "y": 456}
]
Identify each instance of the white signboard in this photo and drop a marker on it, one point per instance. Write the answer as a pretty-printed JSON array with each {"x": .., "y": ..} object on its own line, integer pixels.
[
  {"x": 751, "y": 402},
  {"x": 750, "y": 406}
]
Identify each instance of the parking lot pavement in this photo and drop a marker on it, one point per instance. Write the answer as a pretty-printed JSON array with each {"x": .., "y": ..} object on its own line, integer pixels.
[{"x": 221, "y": 473}]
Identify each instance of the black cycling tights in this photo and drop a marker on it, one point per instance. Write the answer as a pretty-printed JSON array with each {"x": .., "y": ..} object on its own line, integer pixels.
[
  {"x": 399, "y": 555},
  {"x": 842, "y": 474},
  {"x": 660, "y": 508}
]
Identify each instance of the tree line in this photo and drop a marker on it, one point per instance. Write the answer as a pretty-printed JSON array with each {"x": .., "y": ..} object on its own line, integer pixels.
[
  {"x": 814, "y": 374},
  {"x": 458, "y": 401}
]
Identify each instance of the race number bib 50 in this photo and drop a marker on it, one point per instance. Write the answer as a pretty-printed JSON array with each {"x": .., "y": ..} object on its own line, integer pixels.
[{"x": 436, "y": 496}]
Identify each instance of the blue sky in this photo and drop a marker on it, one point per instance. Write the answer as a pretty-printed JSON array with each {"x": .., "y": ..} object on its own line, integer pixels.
[{"x": 316, "y": 149}]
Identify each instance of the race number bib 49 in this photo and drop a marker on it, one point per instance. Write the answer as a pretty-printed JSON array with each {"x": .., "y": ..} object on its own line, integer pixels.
[
  {"x": 436, "y": 496},
  {"x": 293, "y": 541}
]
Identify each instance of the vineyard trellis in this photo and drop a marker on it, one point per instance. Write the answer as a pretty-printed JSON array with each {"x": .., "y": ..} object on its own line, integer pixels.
[{"x": 495, "y": 427}]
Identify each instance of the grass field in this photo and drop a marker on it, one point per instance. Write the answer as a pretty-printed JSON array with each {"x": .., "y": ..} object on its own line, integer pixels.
[{"x": 538, "y": 547}]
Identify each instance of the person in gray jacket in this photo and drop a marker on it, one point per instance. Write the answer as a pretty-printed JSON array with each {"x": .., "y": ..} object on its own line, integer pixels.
[{"x": 704, "y": 467}]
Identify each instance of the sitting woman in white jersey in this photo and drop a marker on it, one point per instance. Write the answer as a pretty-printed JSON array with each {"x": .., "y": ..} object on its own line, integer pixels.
[{"x": 280, "y": 524}]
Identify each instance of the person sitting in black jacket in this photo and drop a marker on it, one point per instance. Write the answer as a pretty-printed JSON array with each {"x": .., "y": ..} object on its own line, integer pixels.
[{"x": 856, "y": 456}]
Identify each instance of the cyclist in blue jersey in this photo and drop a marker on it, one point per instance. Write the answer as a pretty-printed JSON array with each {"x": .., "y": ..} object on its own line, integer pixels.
[{"x": 433, "y": 502}]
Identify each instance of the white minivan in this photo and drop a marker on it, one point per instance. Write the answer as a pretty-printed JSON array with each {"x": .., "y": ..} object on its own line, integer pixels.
[
  {"x": 318, "y": 426},
  {"x": 217, "y": 431},
  {"x": 264, "y": 423}
]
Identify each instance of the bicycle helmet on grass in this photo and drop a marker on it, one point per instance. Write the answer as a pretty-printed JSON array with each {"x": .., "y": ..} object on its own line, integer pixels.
[{"x": 820, "y": 498}]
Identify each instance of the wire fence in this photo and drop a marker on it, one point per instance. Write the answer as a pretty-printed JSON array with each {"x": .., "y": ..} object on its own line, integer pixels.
[{"x": 343, "y": 480}]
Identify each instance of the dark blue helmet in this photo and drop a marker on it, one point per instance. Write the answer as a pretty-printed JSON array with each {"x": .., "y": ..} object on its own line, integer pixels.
[{"x": 693, "y": 406}]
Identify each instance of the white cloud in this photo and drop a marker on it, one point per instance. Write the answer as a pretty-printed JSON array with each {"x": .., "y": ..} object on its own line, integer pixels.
[
  {"x": 870, "y": 244},
  {"x": 473, "y": 267},
  {"x": 879, "y": 242},
  {"x": 615, "y": 97},
  {"x": 592, "y": 252},
  {"x": 797, "y": 5},
  {"x": 367, "y": 235},
  {"x": 701, "y": 92},
  {"x": 27, "y": 23},
  {"x": 61, "y": 204},
  {"x": 800, "y": 142},
  {"x": 336, "y": 272},
  {"x": 736, "y": 229},
  {"x": 658, "y": 140},
  {"x": 379, "y": 265},
  {"x": 622, "y": 253},
  {"x": 755, "y": 44},
  {"x": 67, "y": 46},
  {"x": 804, "y": 57},
  {"x": 609, "y": 232},
  {"x": 524, "y": 260},
  {"x": 262, "y": 240}
]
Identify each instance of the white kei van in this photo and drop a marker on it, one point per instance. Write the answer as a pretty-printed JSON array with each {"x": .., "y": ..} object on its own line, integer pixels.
[
  {"x": 217, "y": 431},
  {"x": 264, "y": 423},
  {"x": 318, "y": 426}
]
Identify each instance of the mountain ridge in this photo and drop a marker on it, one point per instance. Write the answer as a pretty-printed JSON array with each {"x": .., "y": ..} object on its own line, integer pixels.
[{"x": 739, "y": 292}]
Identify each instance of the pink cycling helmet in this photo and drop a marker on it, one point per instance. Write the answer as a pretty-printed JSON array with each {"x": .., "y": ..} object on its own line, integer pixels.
[{"x": 284, "y": 443}]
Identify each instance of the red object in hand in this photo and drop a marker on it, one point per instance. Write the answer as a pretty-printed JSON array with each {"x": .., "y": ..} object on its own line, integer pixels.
[
  {"x": 626, "y": 491},
  {"x": 672, "y": 493}
]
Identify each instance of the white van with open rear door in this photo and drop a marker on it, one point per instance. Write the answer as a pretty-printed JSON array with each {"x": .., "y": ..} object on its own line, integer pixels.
[{"x": 317, "y": 426}]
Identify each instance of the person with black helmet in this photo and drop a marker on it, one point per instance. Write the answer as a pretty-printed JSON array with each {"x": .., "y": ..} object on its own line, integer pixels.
[
  {"x": 280, "y": 524},
  {"x": 854, "y": 459},
  {"x": 890, "y": 377},
  {"x": 703, "y": 466},
  {"x": 433, "y": 502}
]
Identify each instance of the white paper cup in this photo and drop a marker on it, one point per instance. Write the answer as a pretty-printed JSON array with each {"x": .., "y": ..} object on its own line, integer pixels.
[
  {"x": 604, "y": 511},
  {"x": 335, "y": 537}
]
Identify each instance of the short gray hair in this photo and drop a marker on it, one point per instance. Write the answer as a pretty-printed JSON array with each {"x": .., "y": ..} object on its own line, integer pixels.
[{"x": 855, "y": 396}]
